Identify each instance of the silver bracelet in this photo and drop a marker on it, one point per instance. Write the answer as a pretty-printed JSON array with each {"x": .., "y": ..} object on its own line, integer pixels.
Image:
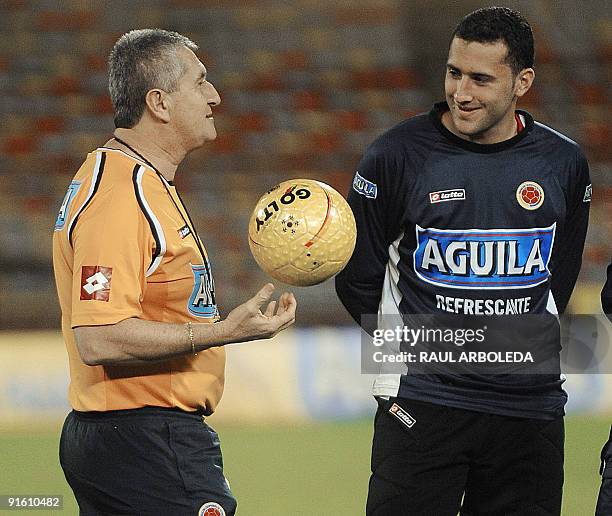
[{"x": 190, "y": 335}]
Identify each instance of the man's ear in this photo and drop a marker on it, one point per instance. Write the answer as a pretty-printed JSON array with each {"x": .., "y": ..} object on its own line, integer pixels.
[
  {"x": 158, "y": 104},
  {"x": 523, "y": 81}
]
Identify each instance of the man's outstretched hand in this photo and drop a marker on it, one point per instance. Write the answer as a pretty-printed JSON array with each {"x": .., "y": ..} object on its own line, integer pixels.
[{"x": 251, "y": 321}]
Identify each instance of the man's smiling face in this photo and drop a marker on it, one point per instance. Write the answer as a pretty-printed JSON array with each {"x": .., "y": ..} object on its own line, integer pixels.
[{"x": 480, "y": 89}]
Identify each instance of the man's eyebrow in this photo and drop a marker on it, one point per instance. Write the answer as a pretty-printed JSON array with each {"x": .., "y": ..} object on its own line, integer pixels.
[
  {"x": 451, "y": 66},
  {"x": 201, "y": 75},
  {"x": 482, "y": 75}
]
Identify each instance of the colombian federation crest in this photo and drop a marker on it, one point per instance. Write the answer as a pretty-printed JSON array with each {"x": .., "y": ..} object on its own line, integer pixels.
[
  {"x": 530, "y": 195},
  {"x": 211, "y": 509}
]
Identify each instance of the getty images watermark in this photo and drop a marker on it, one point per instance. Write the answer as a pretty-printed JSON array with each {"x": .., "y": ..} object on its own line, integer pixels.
[
  {"x": 526, "y": 344},
  {"x": 427, "y": 337}
]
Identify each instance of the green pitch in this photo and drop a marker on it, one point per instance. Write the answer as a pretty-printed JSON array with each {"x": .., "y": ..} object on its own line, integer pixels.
[{"x": 289, "y": 470}]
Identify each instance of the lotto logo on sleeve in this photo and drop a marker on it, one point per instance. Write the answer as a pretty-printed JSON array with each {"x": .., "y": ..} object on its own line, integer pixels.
[
  {"x": 95, "y": 282},
  {"x": 484, "y": 258}
]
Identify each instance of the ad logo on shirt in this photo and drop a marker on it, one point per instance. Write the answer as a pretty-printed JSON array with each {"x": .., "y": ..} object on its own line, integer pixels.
[
  {"x": 95, "y": 282},
  {"x": 364, "y": 187},
  {"x": 184, "y": 231},
  {"x": 202, "y": 300},
  {"x": 65, "y": 207},
  {"x": 484, "y": 258},
  {"x": 458, "y": 194}
]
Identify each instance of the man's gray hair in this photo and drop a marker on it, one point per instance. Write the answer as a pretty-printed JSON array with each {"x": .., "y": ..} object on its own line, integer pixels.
[{"x": 142, "y": 60}]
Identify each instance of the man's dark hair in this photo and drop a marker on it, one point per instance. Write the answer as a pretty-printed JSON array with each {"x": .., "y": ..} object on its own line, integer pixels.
[
  {"x": 140, "y": 61},
  {"x": 491, "y": 24}
]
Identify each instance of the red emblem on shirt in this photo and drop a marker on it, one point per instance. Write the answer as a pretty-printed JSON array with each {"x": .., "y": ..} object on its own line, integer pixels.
[
  {"x": 95, "y": 282},
  {"x": 530, "y": 195},
  {"x": 211, "y": 509}
]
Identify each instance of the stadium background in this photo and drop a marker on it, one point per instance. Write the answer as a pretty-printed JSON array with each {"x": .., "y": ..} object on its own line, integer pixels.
[{"x": 306, "y": 85}]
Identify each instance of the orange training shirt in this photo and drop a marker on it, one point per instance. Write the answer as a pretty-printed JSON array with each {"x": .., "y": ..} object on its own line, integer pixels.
[{"x": 123, "y": 247}]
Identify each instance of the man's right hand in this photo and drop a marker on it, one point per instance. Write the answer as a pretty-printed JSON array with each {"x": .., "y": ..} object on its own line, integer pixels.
[{"x": 249, "y": 322}]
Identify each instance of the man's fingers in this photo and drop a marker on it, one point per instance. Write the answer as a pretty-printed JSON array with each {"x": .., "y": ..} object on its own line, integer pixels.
[
  {"x": 282, "y": 304},
  {"x": 285, "y": 301},
  {"x": 270, "y": 309},
  {"x": 263, "y": 295},
  {"x": 287, "y": 324},
  {"x": 280, "y": 314},
  {"x": 286, "y": 309},
  {"x": 289, "y": 300}
]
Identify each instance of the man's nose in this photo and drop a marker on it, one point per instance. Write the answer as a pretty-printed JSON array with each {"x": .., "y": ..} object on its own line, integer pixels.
[
  {"x": 214, "y": 98},
  {"x": 463, "y": 93}
]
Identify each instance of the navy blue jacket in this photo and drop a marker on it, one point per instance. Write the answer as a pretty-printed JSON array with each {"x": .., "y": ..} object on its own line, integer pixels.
[{"x": 445, "y": 225}]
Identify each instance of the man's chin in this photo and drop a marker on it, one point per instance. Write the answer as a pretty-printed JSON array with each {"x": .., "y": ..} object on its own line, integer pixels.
[{"x": 466, "y": 129}]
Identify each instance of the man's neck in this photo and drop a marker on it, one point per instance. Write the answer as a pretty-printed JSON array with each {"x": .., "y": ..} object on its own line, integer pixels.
[{"x": 139, "y": 146}]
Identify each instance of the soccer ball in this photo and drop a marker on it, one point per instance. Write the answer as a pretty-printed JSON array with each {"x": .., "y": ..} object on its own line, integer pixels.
[{"x": 302, "y": 232}]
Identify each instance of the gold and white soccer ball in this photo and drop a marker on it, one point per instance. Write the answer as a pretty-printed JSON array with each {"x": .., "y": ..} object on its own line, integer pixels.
[{"x": 302, "y": 232}]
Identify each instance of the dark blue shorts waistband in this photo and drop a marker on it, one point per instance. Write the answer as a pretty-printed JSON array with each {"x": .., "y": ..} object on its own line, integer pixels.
[{"x": 142, "y": 412}]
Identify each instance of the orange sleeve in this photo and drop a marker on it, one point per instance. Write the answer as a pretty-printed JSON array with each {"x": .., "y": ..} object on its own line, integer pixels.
[{"x": 113, "y": 247}]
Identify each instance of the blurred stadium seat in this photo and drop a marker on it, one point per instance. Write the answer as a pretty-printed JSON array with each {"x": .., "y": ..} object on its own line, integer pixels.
[{"x": 306, "y": 85}]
